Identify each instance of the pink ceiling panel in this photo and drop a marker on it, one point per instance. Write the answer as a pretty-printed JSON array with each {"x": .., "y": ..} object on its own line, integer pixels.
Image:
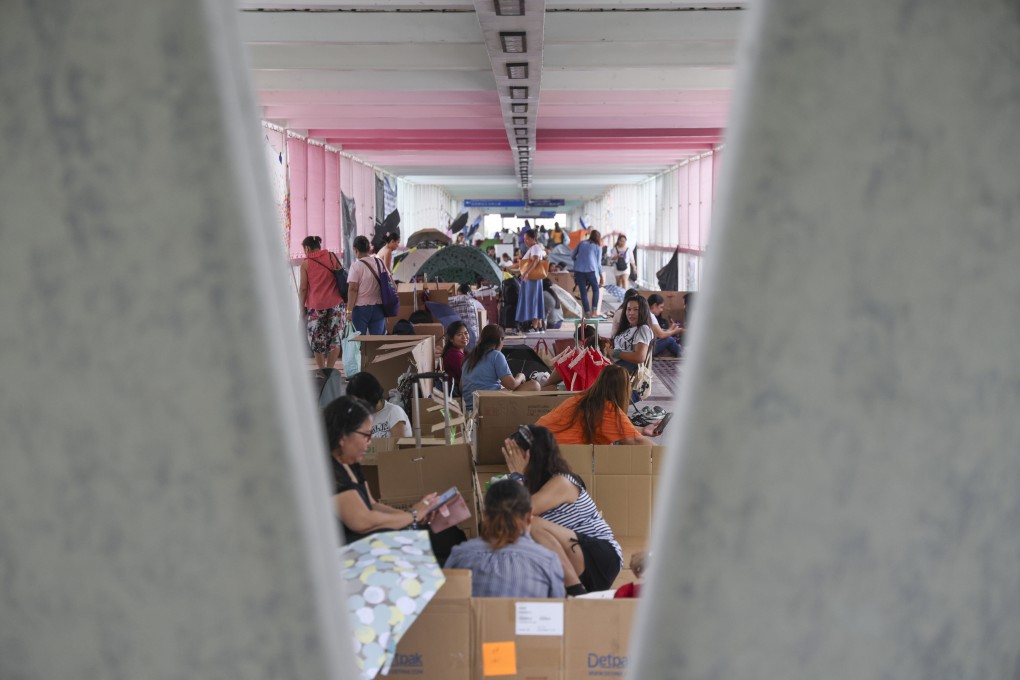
[
  {"x": 382, "y": 97},
  {"x": 445, "y": 160}
]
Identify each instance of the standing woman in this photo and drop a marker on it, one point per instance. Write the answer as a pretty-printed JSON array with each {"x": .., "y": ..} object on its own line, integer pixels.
[
  {"x": 633, "y": 338},
  {"x": 364, "y": 296},
  {"x": 391, "y": 241},
  {"x": 588, "y": 270},
  {"x": 320, "y": 301},
  {"x": 531, "y": 305},
  {"x": 568, "y": 522},
  {"x": 623, "y": 260}
]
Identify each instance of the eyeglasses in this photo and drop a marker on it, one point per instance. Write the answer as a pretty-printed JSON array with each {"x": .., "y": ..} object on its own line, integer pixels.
[{"x": 366, "y": 435}]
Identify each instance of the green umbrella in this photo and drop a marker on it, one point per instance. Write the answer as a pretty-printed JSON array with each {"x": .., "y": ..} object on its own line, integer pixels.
[{"x": 463, "y": 264}]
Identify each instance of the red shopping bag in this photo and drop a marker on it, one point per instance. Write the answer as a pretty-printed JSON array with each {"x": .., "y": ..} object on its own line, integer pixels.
[
  {"x": 585, "y": 368},
  {"x": 562, "y": 364}
]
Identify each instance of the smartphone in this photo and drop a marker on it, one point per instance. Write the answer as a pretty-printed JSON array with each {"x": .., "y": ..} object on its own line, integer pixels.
[
  {"x": 440, "y": 500},
  {"x": 662, "y": 425}
]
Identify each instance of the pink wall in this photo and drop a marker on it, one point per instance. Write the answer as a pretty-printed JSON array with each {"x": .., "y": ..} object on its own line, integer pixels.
[
  {"x": 317, "y": 176},
  {"x": 297, "y": 166}
]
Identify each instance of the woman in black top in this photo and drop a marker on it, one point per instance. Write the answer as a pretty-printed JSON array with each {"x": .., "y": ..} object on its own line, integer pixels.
[{"x": 349, "y": 431}]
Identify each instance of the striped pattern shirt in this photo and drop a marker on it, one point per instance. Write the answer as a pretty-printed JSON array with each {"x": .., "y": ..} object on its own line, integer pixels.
[
  {"x": 582, "y": 517},
  {"x": 522, "y": 569}
]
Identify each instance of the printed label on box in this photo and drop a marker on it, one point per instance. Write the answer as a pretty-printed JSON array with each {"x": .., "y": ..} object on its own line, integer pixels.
[
  {"x": 499, "y": 658},
  {"x": 539, "y": 618}
]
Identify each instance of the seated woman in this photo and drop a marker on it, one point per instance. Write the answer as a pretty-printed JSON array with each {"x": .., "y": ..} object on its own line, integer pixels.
[
  {"x": 633, "y": 338},
  {"x": 348, "y": 423},
  {"x": 568, "y": 522},
  {"x": 505, "y": 561},
  {"x": 598, "y": 415},
  {"x": 485, "y": 368},
  {"x": 388, "y": 420},
  {"x": 665, "y": 332},
  {"x": 457, "y": 339}
]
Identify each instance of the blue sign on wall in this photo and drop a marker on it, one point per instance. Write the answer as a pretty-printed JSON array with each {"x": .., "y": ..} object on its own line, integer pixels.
[
  {"x": 513, "y": 203},
  {"x": 493, "y": 203}
]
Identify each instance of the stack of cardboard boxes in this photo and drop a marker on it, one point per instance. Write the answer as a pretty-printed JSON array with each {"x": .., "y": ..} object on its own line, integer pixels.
[{"x": 458, "y": 637}]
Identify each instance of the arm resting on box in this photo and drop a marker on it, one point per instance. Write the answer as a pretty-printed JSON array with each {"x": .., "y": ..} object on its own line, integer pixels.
[{"x": 350, "y": 508}]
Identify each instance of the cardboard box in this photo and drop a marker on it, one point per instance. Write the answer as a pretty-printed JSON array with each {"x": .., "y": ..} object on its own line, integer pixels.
[
  {"x": 673, "y": 304},
  {"x": 597, "y": 638},
  {"x": 437, "y": 646},
  {"x": 436, "y": 330},
  {"x": 565, "y": 280},
  {"x": 507, "y": 642},
  {"x": 406, "y": 475},
  {"x": 498, "y": 413},
  {"x": 388, "y": 356},
  {"x": 437, "y": 292},
  {"x": 581, "y": 460},
  {"x": 483, "y": 475},
  {"x": 623, "y": 488}
]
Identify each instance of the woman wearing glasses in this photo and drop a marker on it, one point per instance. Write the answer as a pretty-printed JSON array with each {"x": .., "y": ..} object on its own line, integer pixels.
[
  {"x": 567, "y": 522},
  {"x": 348, "y": 423}
]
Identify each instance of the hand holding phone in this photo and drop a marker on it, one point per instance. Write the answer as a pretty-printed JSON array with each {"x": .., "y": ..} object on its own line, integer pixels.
[
  {"x": 661, "y": 427},
  {"x": 440, "y": 500}
]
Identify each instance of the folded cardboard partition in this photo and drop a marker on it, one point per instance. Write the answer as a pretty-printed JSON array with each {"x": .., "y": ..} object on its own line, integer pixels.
[
  {"x": 388, "y": 356},
  {"x": 658, "y": 460},
  {"x": 406, "y": 475},
  {"x": 430, "y": 411},
  {"x": 580, "y": 459},
  {"x": 369, "y": 464},
  {"x": 484, "y": 475},
  {"x": 410, "y": 442},
  {"x": 436, "y": 292},
  {"x": 597, "y": 638},
  {"x": 498, "y": 413},
  {"x": 565, "y": 280},
  {"x": 437, "y": 646},
  {"x": 623, "y": 488},
  {"x": 518, "y": 638}
]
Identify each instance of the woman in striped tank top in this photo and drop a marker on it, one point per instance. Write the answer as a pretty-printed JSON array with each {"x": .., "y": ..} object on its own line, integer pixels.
[{"x": 566, "y": 519}]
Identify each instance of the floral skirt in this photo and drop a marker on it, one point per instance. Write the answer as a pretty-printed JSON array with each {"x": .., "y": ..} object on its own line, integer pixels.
[{"x": 324, "y": 328}]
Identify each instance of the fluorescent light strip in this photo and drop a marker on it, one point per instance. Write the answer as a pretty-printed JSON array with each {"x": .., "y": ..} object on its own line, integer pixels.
[
  {"x": 518, "y": 92},
  {"x": 517, "y": 71},
  {"x": 509, "y": 8},
  {"x": 514, "y": 43}
]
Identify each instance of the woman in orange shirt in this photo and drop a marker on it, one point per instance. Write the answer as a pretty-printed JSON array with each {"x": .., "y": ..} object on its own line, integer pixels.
[{"x": 598, "y": 415}]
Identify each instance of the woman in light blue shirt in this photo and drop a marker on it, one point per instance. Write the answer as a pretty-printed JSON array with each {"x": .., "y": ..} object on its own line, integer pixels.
[
  {"x": 485, "y": 368},
  {"x": 588, "y": 270}
]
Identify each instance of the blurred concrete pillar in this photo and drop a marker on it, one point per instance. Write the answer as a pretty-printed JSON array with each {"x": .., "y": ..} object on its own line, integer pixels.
[
  {"x": 844, "y": 502},
  {"x": 162, "y": 479}
]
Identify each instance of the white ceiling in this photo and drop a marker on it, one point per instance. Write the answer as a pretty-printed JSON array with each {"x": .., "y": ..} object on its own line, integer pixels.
[{"x": 618, "y": 91}]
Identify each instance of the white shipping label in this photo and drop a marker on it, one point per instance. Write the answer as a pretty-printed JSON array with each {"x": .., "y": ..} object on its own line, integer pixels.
[{"x": 539, "y": 618}]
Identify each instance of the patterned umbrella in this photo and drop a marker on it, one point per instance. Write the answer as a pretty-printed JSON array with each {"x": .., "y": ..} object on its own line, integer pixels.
[
  {"x": 463, "y": 264},
  {"x": 430, "y": 238},
  {"x": 408, "y": 266},
  {"x": 390, "y": 577}
]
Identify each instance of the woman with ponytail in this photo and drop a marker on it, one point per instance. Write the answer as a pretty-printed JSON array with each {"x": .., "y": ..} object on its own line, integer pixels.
[
  {"x": 485, "y": 368},
  {"x": 504, "y": 561}
]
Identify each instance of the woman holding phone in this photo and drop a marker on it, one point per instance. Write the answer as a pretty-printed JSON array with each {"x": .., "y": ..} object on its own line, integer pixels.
[{"x": 348, "y": 422}]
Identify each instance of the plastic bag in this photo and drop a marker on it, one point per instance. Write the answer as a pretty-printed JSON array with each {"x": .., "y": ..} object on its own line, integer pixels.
[{"x": 351, "y": 350}]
